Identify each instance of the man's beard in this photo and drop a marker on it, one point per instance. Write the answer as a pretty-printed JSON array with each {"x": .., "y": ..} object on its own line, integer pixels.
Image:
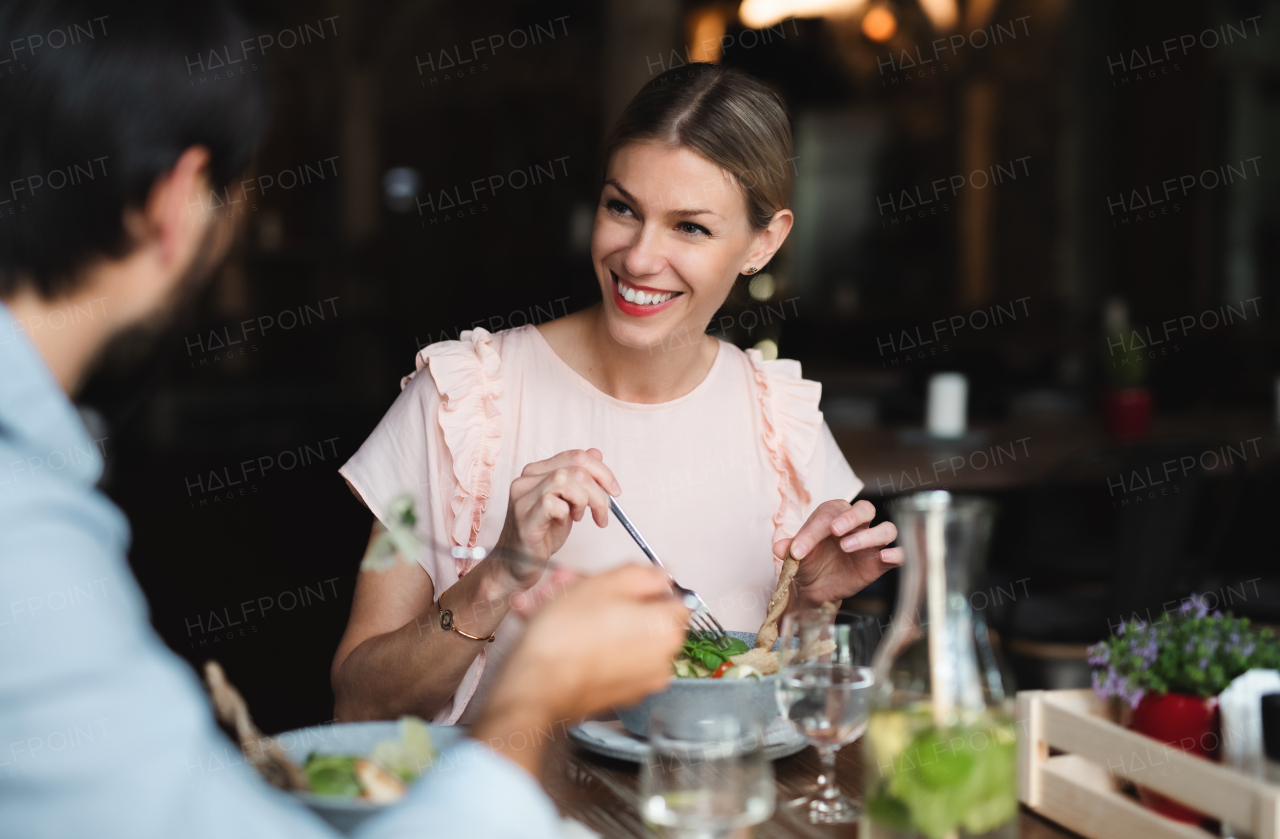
[{"x": 128, "y": 348}]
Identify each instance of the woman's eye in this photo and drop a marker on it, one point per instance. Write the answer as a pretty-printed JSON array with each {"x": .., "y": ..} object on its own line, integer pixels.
[
  {"x": 613, "y": 205},
  {"x": 692, "y": 229}
]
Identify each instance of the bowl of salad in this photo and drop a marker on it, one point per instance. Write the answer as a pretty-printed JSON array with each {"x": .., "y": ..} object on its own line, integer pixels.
[
  {"x": 357, "y": 769},
  {"x": 739, "y": 680}
]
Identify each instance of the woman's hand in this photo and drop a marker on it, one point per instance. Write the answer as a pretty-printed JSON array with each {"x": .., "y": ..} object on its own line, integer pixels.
[
  {"x": 547, "y": 498},
  {"x": 839, "y": 553}
]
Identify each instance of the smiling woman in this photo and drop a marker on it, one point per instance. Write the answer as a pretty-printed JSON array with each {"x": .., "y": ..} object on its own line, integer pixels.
[{"x": 724, "y": 456}]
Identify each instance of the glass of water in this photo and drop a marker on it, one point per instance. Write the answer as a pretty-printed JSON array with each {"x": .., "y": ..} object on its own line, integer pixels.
[
  {"x": 706, "y": 774},
  {"x": 824, "y": 685}
]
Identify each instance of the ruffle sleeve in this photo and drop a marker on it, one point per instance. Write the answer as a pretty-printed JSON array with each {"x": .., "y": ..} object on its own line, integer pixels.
[
  {"x": 468, "y": 377},
  {"x": 810, "y": 467},
  {"x": 440, "y": 441}
]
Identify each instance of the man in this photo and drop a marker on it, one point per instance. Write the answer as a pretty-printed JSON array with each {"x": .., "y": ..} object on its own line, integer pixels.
[{"x": 106, "y": 153}]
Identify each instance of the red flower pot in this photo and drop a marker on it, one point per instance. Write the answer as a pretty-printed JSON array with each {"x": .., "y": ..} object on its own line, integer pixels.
[
  {"x": 1187, "y": 723},
  {"x": 1126, "y": 411}
]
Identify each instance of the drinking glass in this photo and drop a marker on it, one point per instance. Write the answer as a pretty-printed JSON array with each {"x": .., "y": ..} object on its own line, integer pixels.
[
  {"x": 824, "y": 683},
  {"x": 706, "y": 774}
]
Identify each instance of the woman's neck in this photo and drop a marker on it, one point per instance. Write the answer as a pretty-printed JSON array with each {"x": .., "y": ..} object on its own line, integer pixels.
[{"x": 646, "y": 376}]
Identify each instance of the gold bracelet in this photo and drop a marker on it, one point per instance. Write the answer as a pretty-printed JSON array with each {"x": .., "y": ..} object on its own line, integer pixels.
[{"x": 446, "y": 623}]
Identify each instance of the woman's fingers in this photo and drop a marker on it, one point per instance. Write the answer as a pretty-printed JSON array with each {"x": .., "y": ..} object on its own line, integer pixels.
[
  {"x": 853, "y": 517},
  {"x": 590, "y": 461},
  {"x": 818, "y": 527},
  {"x": 893, "y": 556},
  {"x": 870, "y": 537}
]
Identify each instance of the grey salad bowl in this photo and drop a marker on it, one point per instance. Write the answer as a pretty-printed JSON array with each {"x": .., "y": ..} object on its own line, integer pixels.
[
  {"x": 745, "y": 698},
  {"x": 351, "y": 738}
]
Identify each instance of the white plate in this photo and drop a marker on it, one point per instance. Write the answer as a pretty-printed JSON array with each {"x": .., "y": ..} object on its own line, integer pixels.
[{"x": 611, "y": 739}]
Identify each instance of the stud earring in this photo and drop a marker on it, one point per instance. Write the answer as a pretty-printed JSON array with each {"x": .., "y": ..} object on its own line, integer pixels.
[{"x": 751, "y": 269}]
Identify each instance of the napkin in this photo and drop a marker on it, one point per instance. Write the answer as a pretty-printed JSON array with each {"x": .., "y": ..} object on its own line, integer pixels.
[{"x": 1241, "y": 708}]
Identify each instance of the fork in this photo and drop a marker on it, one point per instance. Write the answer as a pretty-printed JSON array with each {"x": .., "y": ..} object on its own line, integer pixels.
[{"x": 701, "y": 621}]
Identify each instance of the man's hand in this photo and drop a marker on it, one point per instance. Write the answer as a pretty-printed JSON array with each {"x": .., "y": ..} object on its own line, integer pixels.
[
  {"x": 839, "y": 553},
  {"x": 608, "y": 640}
]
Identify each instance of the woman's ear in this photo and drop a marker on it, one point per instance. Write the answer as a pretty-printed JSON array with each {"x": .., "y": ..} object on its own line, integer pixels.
[{"x": 768, "y": 241}]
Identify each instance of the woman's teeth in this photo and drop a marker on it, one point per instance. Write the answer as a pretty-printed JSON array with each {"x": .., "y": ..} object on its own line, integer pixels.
[{"x": 643, "y": 298}]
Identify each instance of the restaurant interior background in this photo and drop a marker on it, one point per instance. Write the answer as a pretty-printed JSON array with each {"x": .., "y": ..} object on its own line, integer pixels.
[{"x": 1072, "y": 202}]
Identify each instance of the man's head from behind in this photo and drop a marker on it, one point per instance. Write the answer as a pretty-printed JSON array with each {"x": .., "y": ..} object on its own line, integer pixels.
[{"x": 109, "y": 149}]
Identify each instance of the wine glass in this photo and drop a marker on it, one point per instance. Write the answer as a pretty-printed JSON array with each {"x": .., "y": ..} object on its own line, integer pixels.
[
  {"x": 824, "y": 684},
  {"x": 705, "y": 774}
]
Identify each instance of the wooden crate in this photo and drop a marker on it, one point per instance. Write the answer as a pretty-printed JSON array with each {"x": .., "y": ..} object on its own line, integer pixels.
[{"x": 1078, "y": 789}]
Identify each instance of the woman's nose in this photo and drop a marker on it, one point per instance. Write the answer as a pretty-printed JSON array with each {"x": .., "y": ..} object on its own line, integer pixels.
[{"x": 645, "y": 256}]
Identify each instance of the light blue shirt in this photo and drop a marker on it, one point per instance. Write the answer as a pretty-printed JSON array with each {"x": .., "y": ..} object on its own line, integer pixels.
[{"x": 104, "y": 731}]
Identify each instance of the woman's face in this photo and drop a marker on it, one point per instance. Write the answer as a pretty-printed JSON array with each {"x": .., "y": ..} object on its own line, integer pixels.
[{"x": 671, "y": 236}]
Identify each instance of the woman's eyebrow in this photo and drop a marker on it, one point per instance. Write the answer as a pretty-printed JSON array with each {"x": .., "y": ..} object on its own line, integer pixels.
[{"x": 678, "y": 212}]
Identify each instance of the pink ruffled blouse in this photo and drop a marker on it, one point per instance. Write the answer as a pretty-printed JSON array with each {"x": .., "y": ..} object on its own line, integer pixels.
[{"x": 712, "y": 479}]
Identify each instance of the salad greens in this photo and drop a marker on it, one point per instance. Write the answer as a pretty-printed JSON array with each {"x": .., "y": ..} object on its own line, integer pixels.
[
  {"x": 711, "y": 656},
  {"x": 406, "y": 759},
  {"x": 332, "y": 775}
]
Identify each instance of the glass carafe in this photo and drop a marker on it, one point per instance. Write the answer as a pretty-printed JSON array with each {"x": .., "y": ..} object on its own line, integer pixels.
[{"x": 940, "y": 753}]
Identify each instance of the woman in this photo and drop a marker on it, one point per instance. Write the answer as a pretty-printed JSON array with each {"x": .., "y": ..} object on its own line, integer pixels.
[{"x": 723, "y": 456}]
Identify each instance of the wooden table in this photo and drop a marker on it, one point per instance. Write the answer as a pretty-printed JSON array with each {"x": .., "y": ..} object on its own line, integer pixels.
[{"x": 603, "y": 793}]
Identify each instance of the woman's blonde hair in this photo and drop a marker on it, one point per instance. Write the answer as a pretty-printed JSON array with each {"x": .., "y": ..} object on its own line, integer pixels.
[{"x": 725, "y": 115}]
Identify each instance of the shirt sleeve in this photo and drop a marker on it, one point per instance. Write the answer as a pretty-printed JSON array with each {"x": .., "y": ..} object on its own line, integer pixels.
[
  {"x": 838, "y": 479},
  {"x": 460, "y": 796},
  {"x": 439, "y": 442},
  {"x": 107, "y": 733}
]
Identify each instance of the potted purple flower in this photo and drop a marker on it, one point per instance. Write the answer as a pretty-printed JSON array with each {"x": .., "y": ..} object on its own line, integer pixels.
[{"x": 1170, "y": 673}]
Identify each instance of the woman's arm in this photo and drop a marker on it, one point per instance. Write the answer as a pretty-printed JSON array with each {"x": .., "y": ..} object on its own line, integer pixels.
[{"x": 394, "y": 658}]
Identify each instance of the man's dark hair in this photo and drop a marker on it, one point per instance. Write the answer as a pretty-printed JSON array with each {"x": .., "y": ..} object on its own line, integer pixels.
[{"x": 97, "y": 101}]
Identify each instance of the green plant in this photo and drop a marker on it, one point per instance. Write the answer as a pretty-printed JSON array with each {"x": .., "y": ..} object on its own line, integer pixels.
[{"x": 1188, "y": 651}]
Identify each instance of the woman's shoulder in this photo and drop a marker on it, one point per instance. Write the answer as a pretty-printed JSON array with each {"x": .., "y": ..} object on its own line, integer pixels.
[
  {"x": 781, "y": 378},
  {"x": 476, "y": 356},
  {"x": 788, "y": 403}
]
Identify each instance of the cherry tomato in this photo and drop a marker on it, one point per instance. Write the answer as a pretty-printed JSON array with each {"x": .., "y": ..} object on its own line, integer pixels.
[{"x": 721, "y": 669}]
